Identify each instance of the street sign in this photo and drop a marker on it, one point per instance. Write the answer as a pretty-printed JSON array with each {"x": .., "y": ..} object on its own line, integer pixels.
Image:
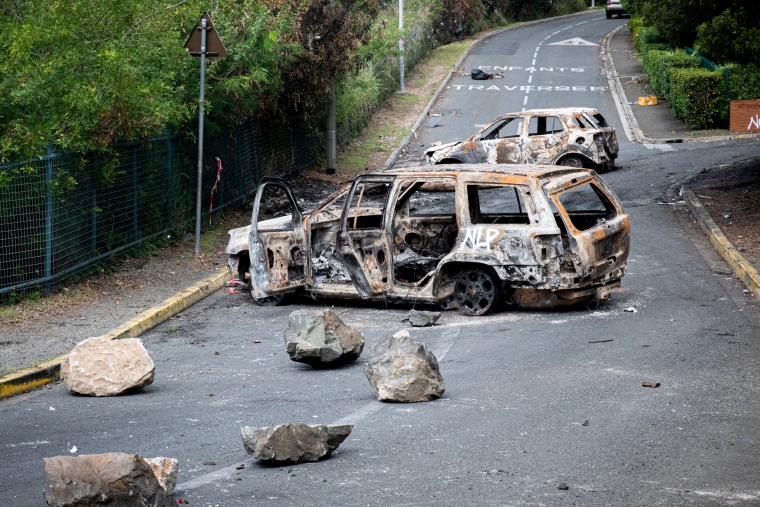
[{"x": 214, "y": 45}]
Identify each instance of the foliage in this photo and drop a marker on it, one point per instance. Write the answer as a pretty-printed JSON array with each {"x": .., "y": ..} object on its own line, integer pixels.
[
  {"x": 660, "y": 65},
  {"x": 80, "y": 75},
  {"x": 732, "y": 36},
  {"x": 744, "y": 81},
  {"x": 698, "y": 97},
  {"x": 562, "y": 7},
  {"x": 331, "y": 34},
  {"x": 646, "y": 36}
]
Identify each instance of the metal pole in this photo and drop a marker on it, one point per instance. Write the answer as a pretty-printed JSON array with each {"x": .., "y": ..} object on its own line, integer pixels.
[
  {"x": 200, "y": 139},
  {"x": 48, "y": 273},
  {"x": 401, "y": 44},
  {"x": 331, "y": 128}
]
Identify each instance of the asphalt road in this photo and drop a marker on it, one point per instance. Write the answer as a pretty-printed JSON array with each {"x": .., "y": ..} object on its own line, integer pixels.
[{"x": 534, "y": 399}]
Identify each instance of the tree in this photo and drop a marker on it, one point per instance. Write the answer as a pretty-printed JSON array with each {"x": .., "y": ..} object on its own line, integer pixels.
[{"x": 81, "y": 74}]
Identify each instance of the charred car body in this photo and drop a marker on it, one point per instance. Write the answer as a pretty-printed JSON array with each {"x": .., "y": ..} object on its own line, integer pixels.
[
  {"x": 569, "y": 136},
  {"x": 466, "y": 237}
]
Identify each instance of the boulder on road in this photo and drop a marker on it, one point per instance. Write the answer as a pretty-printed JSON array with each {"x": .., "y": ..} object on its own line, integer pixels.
[
  {"x": 115, "y": 479},
  {"x": 320, "y": 338},
  {"x": 418, "y": 318},
  {"x": 100, "y": 367},
  {"x": 404, "y": 370},
  {"x": 165, "y": 470},
  {"x": 294, "y": 443}
]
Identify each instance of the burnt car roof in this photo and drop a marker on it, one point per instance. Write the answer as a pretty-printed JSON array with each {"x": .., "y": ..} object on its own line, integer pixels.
[{"x": 527, "y": 171}]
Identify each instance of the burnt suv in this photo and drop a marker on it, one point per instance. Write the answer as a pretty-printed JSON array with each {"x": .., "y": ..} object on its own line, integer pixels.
[
  {"x": 466, "y": 237},
  {"x": 569, "y": 136}
]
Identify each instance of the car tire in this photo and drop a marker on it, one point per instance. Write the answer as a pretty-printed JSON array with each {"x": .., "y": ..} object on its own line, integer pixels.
[
  {"x": 572, "y": 161},
  {"x": 609, "y": 16},
  {"x": 477, "y": 292}
]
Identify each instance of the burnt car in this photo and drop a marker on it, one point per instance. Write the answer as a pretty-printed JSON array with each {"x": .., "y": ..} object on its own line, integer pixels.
[
  {"x": 569, "y": 136},
  {"x": 467, "y": 237}
]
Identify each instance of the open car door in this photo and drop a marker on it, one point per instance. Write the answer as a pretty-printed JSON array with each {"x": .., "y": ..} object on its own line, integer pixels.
[
  {"x": 599, "y": 229},
  {"x": 277, "y": 242},
  {"x": 363, "y": 238}
]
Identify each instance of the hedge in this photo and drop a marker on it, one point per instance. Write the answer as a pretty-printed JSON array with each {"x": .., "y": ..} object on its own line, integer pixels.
[
  {"x": 697, "y": 97},
  {"x": 744, "y": 81},
  {"x": 645, "y": 36},
  {"x": 660, "y": 64}
]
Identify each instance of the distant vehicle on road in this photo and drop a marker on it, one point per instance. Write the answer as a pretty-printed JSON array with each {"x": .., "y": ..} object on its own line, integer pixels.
[
  {"x": 614, "y": 7},
  {"x": 569, "y": 136},
  {"x": 466, "y": 237}
]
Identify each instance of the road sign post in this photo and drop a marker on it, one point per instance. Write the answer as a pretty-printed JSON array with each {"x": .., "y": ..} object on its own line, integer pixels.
[{"x": 203, "y": 41}]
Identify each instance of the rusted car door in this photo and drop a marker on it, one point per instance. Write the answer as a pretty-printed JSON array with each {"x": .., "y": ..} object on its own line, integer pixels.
[
  {"x": 598, "y": 228},
  {"x": 501, "y": 142},
  {"x": 546, "y": 140},
  {"x": 277, "y": 245},
  {"x": 363, "y": 238}
]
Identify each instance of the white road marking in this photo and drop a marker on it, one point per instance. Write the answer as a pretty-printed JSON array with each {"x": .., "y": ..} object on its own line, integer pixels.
[{"x": 576, "y": 41}]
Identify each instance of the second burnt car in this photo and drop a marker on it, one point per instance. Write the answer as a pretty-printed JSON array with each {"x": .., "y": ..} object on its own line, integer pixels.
[
  {"x": 569, "y": 136},
  {"x": 466, "y": 237}
]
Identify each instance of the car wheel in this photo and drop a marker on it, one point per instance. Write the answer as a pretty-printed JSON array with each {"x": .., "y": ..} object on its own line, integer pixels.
[
  {"x": 572, "y": 161},
  {"x": 275, "y": 300},
  {"x": 609, "y": 16},
  {"x": 476, "y": 292}
]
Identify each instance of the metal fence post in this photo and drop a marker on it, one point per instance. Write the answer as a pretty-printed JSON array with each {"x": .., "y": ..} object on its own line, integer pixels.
[
  {"x": 48, "y": 220},
  {"x": 169, "y": 179},
  {"x": 135, "y": 229}
]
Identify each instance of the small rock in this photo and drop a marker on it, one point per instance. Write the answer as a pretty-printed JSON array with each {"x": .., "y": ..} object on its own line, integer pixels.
[
  {"x": 563, "y": 486},
  {"x": 165, "y": 470},
  {"x": 321, "y": 338},
  {"x": 404, "y": 370},
  {"x": 115, "y": 479},
  {"x": 419, "y": 318},
  {"x": 100, "y": 367},
  {"x": 650, "y": 384},
  {"x": 294, "y": 443}
]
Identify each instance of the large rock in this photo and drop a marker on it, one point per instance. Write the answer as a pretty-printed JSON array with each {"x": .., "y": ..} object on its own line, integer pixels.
[
  {"x": 418, "y": 318},
  {"x": 165, "y": 470},
  {"x": 404, "y": 370},
  {"x": 294, "y": 443},
  {"x": 115, "y": 479},
  {"x": 100, "y": 367},
  {"x": 321, "y": 338}
]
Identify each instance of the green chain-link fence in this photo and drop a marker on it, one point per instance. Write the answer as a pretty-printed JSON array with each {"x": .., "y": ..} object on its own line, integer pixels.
[{"x": 57, "y": 218}]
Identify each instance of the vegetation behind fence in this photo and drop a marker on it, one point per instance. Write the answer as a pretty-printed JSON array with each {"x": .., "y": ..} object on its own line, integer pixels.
[{"x": 57, "y": 218}]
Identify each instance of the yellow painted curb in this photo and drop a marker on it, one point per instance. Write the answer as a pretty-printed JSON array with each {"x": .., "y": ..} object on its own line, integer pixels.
[
  {"x": 49, "y": 371},
  {"x": 741, "y": 266}
]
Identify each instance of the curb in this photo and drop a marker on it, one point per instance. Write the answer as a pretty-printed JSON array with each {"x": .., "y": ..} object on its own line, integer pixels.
[
  {"x": 743, "y": 270},
  {"x": 49, "y": 371}
]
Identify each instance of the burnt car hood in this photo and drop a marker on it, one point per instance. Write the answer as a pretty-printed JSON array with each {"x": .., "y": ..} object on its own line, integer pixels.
[{"x": 439, "y": 147}]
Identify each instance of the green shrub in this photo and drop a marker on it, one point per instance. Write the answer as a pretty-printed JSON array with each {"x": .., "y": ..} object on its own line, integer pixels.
[
  {"x": 697, "y": 97},
  {"x": 645, "y": 36},
  {"x": 660, "y": 64},
  {"x": 635, "y": 24},
  {"x": 744, "y": 81}
]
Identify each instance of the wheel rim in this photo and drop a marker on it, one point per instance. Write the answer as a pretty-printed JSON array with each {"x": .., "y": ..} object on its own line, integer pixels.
[
  {"x": 572, "y": 161},
  {"x": 475, "y": 292}
]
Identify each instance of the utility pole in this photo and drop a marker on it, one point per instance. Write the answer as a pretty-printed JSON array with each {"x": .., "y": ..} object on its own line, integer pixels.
[{"x": 401, "y": 44}]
